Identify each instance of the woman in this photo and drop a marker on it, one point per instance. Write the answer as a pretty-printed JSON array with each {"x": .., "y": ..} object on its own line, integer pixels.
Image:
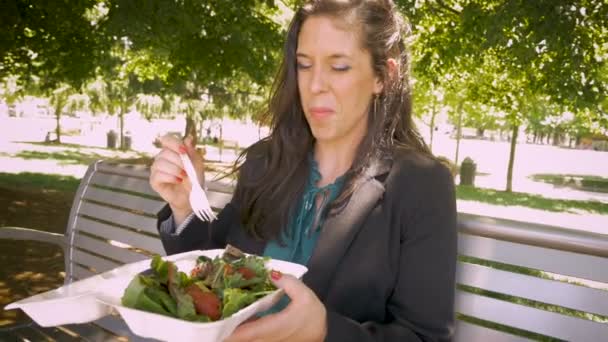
[{"x": 344, "y": 184}]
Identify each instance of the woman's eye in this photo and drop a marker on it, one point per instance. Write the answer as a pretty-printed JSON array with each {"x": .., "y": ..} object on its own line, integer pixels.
[
  {"x": 341, "y": 67},
  {"x": 302, "y": 66}
]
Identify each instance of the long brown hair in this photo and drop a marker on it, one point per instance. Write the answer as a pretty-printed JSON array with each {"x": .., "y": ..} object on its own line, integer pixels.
[{"x": 268, "y": 195}]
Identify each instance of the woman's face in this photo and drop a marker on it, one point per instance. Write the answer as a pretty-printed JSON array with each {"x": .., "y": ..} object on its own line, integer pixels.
[{"x": 335, "y": 79}]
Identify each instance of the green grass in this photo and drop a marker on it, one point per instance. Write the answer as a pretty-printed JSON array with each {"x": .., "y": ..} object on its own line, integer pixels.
[
  {"x": 579, "y": 182},
  {"x": 72, "y": 157},
  {"x": 533, "y": 201},
  {"x": 38, "y": 182},
  {"x": 67, "y": 157}
]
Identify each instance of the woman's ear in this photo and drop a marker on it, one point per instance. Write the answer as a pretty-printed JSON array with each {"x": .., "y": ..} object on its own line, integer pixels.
[{"x": 392, "y": 72}]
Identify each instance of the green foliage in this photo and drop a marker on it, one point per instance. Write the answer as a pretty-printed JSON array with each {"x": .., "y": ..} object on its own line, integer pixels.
[
  {"x": 53, "y": 38},
  {"x": 213, "y": 39}
]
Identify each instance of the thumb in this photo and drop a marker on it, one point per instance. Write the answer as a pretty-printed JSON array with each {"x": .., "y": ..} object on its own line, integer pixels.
[{"x": 294, "y": 288}]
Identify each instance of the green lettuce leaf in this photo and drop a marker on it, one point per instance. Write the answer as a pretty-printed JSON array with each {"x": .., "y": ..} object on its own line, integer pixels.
[
  {"x": 137, "y": 296},
  {"x": 234, "y": 300}
]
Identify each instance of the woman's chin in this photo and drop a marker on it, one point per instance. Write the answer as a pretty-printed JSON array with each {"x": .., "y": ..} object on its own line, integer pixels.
[{"x": 323, "y": 134}]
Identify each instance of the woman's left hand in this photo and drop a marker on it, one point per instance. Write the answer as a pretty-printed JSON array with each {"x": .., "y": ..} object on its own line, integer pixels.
[{"x": 304, "y": 319}]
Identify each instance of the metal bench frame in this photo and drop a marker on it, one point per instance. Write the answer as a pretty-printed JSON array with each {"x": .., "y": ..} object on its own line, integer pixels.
[{"x": 112, "y": 222}]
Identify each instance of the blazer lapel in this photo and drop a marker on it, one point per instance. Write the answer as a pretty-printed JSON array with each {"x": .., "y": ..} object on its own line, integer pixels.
[{"x": 339, "y": 231}]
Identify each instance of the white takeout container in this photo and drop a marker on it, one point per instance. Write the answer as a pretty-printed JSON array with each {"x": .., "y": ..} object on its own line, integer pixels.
[
  {"x": 95, "y": 297},
  {"x": 75, "y": 302},
  {"x": 160, "y": 327}
]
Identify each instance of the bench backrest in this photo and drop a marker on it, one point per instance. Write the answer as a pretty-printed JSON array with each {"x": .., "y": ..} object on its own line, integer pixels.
[
  {"x": 524, "y": 278},
  {"x": 113, "y": 219},
  {"x": 507, "y": 277}
]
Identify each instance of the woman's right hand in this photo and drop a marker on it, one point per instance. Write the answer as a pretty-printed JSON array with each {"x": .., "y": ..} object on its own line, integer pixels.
[{"x": 168, "y": 178}]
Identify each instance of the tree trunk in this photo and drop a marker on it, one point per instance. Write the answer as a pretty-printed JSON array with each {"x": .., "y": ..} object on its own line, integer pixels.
[
  {"x": 121, "y": 117},
  {"x": 58, "y": 109},
  {"x": 512, "y": 158},
  {"x": 191, "y": 128},
  {"x": 58, "y": 127},
  {"x": 458, "y": 133}
]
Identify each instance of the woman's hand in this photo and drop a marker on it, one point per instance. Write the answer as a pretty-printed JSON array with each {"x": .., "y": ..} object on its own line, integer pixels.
[
  {"x": 304, "y": 319},
  {"x": 168, "y": 178}
]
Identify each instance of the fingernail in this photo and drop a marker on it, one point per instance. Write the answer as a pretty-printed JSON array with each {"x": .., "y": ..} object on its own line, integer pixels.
[
  {"x": 178, "y": 179},
  {"x": 183, "y": 173},
  {"x": 183, "y": 149},
  {"x": 276, "y": 275}
]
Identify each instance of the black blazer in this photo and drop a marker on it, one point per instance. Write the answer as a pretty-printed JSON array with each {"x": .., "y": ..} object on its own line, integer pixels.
[{"x": 384, "y": 267}]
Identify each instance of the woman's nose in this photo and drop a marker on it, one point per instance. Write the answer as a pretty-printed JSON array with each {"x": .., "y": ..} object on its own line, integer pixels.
[{"x": 318, "y": 81}]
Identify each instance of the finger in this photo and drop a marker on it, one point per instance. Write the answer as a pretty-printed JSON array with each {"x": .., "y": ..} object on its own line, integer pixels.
[
  {"x": 170, "y": 156},
  {"x": 168, "y": 167},
  {"x": 160, "y": 177},
  {"x": 274, "y": 327},
  {"x": 294, "y": 288},
  {"x": 171, "y": 142}
]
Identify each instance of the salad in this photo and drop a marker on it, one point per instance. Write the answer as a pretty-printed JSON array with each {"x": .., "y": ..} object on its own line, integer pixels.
[{"x": 215, "y": 288}]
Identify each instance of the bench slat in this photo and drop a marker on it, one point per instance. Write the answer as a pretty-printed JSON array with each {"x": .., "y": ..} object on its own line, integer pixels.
[
  {"x": 467, "y": 332},
  {"x": 120, "y": 328},
  {"x": 91, "y": 332},
  {"x": 130, "y": 170},
  {"x": 79, "y": 272},
  {"x": 528, "y": 318},
  {"x": 143, "y": 172},
  {"x": 56, "y": 334},
  {"x": 122, "y": 255},
  {"x": 546, "y": 259},
  {"x": 30, "y": 334},
  {"x": 123, "y": 200},
  {"x": 121, "y": 217},
  {"x": 120, "y": 234},
  {"x": 136, "y": 185},
  {"x": 99, "y": 264},
  {"x": 544, "y": 290}
]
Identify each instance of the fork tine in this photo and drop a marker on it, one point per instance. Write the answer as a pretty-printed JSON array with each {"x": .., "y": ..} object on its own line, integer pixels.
[
  {"x": 199, "y": 215},
  {"x": 209, "y": 215},
  {"x": 204, "y": 213}
]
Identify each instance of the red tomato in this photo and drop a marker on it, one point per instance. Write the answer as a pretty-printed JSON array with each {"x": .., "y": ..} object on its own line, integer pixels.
[
  {"x": 246, "y": 272},
  {"x": 205, "y": 303}
]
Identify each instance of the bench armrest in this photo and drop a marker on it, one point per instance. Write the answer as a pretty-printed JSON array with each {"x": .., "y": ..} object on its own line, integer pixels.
[{"x": 19, "y": 233}]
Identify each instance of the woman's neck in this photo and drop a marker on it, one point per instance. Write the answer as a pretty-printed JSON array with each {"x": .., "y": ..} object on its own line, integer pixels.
[{"x": 334, "y": 159}]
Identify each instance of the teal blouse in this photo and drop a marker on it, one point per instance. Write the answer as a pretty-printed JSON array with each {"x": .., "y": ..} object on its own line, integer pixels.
[{"x": 301, "y": 239}]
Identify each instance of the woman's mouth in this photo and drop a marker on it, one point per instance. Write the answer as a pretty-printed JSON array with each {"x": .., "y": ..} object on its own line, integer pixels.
[{"x": 320, "y": 112}]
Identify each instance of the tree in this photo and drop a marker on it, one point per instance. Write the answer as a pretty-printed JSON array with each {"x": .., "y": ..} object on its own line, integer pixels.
[
  {"x": 516, "y": 52},
  {"x": 57, "y": 38},
  {"x": 59, "y": 99}
]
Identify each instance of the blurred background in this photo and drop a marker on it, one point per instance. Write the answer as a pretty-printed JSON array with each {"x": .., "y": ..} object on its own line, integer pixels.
[{"x": 510, "y": 93}]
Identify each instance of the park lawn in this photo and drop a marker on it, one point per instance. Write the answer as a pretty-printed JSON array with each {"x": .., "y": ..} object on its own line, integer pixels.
[{"x": 503, "y": 198}]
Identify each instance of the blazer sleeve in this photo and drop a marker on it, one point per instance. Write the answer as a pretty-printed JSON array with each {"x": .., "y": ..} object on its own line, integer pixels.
[
  {"x": 198, "y": 234},
  {"x": 421, "y": 307}
]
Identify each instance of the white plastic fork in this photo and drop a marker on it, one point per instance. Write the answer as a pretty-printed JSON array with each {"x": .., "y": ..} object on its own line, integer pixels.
[{"x": 198, "y": 197}]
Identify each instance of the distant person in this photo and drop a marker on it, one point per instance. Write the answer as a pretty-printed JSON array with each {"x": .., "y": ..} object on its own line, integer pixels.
[{"x": 344, "y": 184}]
